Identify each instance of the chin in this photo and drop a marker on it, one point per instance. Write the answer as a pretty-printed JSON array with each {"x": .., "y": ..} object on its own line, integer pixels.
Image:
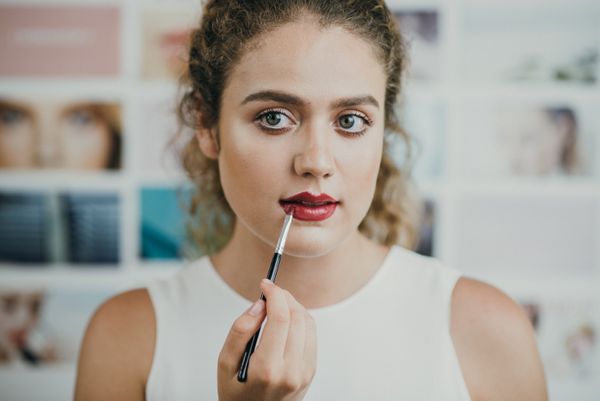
[{"x": 311, "y": 246}]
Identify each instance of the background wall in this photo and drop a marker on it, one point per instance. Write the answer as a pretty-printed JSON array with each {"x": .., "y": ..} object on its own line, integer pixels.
[{"x": 503, "y": 99}]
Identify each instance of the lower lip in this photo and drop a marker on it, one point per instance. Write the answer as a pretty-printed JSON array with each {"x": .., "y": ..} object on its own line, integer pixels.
[{"x": 309, "y": 213}]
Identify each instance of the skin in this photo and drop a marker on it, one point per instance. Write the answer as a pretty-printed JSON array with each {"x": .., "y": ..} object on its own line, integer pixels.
[
  {"x": 39, "y": 134},
  {"x": 325, "y": 261}
]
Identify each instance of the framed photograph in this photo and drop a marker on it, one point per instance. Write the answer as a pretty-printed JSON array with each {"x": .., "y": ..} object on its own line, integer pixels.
[
  {"x": 528, "y": 139},
  {"x": 424, "y": 120},
  {"x": 421, "y": 29},
  {"x": 427, "y": 227},
  {"x": 163, "y": 234},
  {"x": 60, "y": 134},
  {"x": 44, "y": 326},
  {"x": 567, "y": 338},
  {"x": 59, "y": 40},
  {"x": 166, "y": 33},
  {"x": 43, "y": 228},
  {"x": 158, "y": 130}
]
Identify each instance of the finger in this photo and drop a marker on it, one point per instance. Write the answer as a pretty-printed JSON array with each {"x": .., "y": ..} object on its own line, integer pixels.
[
  {"x": 243, "y": 328},
  {"x": 310, "y": 345},
  {"x": 294, "y": 347},
  {"x": 275, "y": 331}
]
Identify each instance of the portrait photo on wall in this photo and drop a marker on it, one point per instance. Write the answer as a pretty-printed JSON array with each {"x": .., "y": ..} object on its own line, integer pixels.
[
  {"x": 557, "y": 41},
  {"x": 567, "y": 335},
  {"x": 42, "y": 228},
  {"x": 44, "y": 326},
  {"x": 527, "y": 236},
  {"x": 421, "y": 29},
  {"x": 166, "y": 33},
  {"x": 61, "y": 134},
  {"x": 528, "y": 139},
  {"x": 163, "y": 233},
  {"x": 59, "y": 40},
  {"x": 424, "y": 120}
]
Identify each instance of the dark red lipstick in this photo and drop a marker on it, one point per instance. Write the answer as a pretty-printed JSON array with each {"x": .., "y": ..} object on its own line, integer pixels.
[{"x": 308, "y": 207}]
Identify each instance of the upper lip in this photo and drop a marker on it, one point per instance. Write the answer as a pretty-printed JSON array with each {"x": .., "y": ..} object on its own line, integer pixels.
[{"x": 307, "y": 197}]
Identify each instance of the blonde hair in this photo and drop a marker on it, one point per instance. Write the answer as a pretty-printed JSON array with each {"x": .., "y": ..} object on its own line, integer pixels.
[{"x": 219, "y": 42}]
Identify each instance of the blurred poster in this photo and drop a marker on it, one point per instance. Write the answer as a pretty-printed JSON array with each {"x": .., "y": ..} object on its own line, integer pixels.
[
  {"x": 43, "y": 228},
  {"x": 427, "y": 225},
  {"x": 70, "y": 134},
  {"x": 158, "y": 123},
  {"x": 163, "y": 232},
  {"x": 567, "y": 334},
  {"x": 59, "y": 40},
  {"x": 421, "y": 31},
  {"x": 44, "y": 326},
  {"x": 166, "y": 34},
  {"x": 525, "y": 236},
  {"x": 530, "y": 41},
  {"x": 523, "y": 139},
  {"x": 424, "y": 121}
]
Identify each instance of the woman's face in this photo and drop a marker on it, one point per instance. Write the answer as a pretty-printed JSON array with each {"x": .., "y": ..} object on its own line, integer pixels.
[
  {"x": 53, "y": 135},
  {"x": 303, "y": 112}
]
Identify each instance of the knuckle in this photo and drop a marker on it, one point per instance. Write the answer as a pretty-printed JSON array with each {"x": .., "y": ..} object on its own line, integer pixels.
[
  {"x": 242, "y": 326},
  {"x": 280, "y": 317},
  {"x": 266, "y": 376},
  {"x": 223, "y": 363},
  {"x": 291, "y": 383}
]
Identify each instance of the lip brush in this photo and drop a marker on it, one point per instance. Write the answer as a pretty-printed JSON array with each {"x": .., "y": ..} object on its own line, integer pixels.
[{"x": 273, "y": 268}]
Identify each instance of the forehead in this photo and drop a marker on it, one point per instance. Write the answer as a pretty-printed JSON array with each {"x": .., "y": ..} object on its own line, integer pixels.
[{"x": 311, "y": 61}]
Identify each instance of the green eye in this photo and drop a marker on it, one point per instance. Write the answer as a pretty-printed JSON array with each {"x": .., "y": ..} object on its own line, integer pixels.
[
  {"x": 273, "y": 118},
  {"x": 347, "y": 121},
  {"x": 353, "y": 123}
]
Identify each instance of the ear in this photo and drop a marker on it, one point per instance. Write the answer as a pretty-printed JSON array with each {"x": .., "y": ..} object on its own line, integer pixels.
[{"x": 207, "y": 140}]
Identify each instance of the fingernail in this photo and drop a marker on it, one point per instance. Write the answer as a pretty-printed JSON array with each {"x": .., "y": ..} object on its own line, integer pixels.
[
  {"x": 257, "y": 308},
  {"x": 266, "y": 281}
]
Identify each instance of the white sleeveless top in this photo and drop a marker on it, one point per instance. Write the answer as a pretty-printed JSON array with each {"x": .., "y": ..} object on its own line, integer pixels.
[{"x": 388, "y": 341}]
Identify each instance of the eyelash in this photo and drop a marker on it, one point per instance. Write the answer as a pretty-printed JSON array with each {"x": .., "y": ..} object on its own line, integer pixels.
[{"x": 368, "y": 122}]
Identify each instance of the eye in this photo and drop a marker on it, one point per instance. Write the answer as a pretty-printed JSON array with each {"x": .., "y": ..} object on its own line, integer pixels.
[
  {"x": 11, "y": 116},
  {"x": 274, "y": 120},
  {"x": 80, "y": 118},
  {"x": 355, "y": 123}
]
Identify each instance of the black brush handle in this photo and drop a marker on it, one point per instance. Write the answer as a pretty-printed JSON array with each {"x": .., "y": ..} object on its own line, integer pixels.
[{"x": 251, "y": 346}]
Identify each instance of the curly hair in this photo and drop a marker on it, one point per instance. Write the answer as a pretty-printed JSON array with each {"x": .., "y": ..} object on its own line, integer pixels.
[{"x": 226, "y": 30}]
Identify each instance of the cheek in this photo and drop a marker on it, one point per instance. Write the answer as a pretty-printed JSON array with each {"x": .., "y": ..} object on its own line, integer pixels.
[
  {"x": 249, "y": 170},
  {"x": 360, "y": 166},
  {"x": 89, "y": 147}
]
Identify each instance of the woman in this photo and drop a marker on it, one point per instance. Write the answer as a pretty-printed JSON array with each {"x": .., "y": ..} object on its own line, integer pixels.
[
  {"x": 291, "y": 101},
  {"x": 70, "y": 135}
]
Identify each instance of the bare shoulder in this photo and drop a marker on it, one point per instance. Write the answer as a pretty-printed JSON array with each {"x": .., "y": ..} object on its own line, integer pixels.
[
  {"x": 495, "y": 344},
  {"x": 117, "y": 349}
]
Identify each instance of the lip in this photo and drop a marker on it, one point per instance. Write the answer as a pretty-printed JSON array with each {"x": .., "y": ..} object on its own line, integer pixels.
[{"x": 309, "y": 207}]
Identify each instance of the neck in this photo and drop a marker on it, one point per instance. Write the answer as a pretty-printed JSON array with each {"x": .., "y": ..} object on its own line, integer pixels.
[{"x": 315, "y": 282}]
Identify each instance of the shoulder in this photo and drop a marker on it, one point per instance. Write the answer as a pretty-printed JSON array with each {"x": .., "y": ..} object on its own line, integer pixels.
[
  {"x": 495, "y": 344},
  {"x": 117, "y": 350}
]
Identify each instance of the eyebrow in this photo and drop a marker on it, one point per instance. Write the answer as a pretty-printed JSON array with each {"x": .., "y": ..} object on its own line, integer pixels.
[{"x": 293, "y": 100}]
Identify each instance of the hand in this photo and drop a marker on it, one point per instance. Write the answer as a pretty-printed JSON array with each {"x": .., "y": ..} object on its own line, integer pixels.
[{"x": 284, "y": 362}]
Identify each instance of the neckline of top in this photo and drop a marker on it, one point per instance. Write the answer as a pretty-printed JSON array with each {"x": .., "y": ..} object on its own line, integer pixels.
[{"x": 324, "y": 310}]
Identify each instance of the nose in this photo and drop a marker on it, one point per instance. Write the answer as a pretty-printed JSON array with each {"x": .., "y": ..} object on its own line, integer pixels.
[
  {"x": 47, "y": 151},
  {"x": 315, "y": 158}
]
